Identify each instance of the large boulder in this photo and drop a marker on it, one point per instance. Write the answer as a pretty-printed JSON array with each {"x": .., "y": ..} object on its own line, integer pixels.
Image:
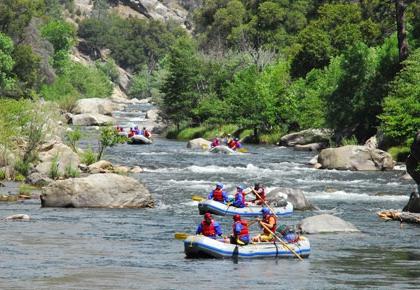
[
  {"x": 325, "y": 223},
  {"x": 310, "y": 147},
  {"x": 94, "y": 106},
  {"x": 98, "y": 190},
  {"x": 413, "y": 204},
  {"x": 153, "y": 115},
  {"x": 354, "y": 157},
  {"x": 90, "y": 120},
  {"x": 199, "y": 143},
  {"x": 62, "y": 154},
  {"x": 306, "y": 137},
  {"x": 294, "y": 196}
]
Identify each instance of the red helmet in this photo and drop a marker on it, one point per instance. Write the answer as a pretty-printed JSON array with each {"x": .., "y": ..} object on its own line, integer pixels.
[
  {"x": 236, "y": 217},
  {"x": 207, "y": 215}
]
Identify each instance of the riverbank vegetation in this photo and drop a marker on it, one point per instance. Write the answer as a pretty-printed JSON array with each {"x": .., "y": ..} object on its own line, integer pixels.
[{"x": 258, "y": 70}]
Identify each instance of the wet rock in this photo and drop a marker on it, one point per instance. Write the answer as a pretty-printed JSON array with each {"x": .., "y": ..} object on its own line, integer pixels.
[
  {"x": 93, "y": 106},
  {"x": 136, "y": 169},
  {"x": 98, "y": 190},
  {"x": 101, "y": 166},
  {"x": 121, "y": 169},
  {"x": 310, "y": 147},
  {"x": 353, "y": 157},
  {"x": 314, "y": 160},
  {"x": 294, "y": 196},
  {"x": 18, "y": 217},
  {"x": 325, "y": 223},
  {"x": 406, "y": 176},
  {"x": 90, "y": 120},
  {"x": 199, "y": 143},
  {"x": 413, "y": 204},
  {"x": 38, "y": 179},
  {"x": 306, "y": 137}
]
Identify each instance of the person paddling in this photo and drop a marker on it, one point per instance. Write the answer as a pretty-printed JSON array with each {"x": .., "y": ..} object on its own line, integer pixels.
[
  {"x": 209, "y": 227},
  {"x": 270, "y": 221},
  {"x": 218, "y": 194},
  {"x": 215, "y": 142},
  {"x": 240, "y": 232},
  {"x": 146, "y": 133},
  {"x": 239, "y": 197},
  {"x": 259, "y": 193}
]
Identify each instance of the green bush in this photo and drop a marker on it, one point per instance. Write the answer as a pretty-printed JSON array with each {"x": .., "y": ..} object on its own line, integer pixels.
[
  {"x": 88, "y": 156},
  {"x": 22, "y": 167},
  {"x": 349, "y": 141},
  {"x": 53, "y": 172},
  {"x": 26, "y": 189},
  {"x": 71, "y": 172},
  {"x": 191, "y": 133},
  {"x": 109, "y": 68},
  {"x": 2, "y": 174},
  {"x": 399, "y": 153},
  {"x": 72, "y": 137},
  {"x": 19, "y": 177}
]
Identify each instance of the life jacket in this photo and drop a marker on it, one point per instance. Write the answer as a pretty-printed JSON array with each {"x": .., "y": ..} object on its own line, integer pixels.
[
  {"x": 266, "y": 219},
  {"x": 130, "y": 134},
  {"x": 231, "y": 143},
  {"x": 244, "y": 230},
  {"x": 146, "y": 134},
  {"x": 215, "y": 143},
  {"x": 218, "y": 195},
  {"x": 261, "y": 193},
  {"x": 243, "y": 197},
  {"x": 208, "y": 230}
]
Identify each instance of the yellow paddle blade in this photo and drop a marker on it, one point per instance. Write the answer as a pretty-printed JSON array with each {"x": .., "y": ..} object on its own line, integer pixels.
[
  {"x": 242, "y": 150},
  {"x": 197, "y": 198},
  {"x": 181, "y": 236}
]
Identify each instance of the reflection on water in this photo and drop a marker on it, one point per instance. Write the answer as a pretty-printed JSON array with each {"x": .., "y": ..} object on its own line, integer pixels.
[{"x": 135, "y": 249}]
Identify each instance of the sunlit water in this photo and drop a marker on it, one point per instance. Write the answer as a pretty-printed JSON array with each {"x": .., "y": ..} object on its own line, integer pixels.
[{"x": 136, "y": 249}]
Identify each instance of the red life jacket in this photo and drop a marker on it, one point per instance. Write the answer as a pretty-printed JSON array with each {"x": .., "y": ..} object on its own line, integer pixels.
[
  {"x": 208, "y": 229},
  {"x": 146, "y": 134},
  {"x": 244, "y": 230},
  {"x": 261, "y": 193},
  {"x": 266, "y": 219},
  {"x": 218, "y": 195}
]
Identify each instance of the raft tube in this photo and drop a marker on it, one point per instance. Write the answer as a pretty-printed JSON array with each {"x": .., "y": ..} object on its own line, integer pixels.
[
  {"x": 139, "y": 140},
  {"x": 222, "y": 149},
  {"x": 219, "y": 208},
  {"x": 203, "y": 247}
]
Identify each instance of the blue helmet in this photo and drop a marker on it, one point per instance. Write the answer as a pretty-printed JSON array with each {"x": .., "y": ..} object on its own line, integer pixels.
[
  {"x": 219, "y": 184},
  {"x": 240, "y": 186},
  {"x": 265, "y": 210}
]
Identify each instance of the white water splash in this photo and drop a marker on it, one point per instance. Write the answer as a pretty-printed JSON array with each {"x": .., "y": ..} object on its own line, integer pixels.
[{"x": 351, "y": 196}]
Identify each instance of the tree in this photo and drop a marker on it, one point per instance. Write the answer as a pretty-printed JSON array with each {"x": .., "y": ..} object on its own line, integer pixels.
[
  {"x": 6, "y": 63},
  {"x": 400, "y": 7}
]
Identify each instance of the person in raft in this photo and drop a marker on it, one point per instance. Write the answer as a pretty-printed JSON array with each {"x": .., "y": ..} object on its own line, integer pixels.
[
  {"x": 215, "y": 142},
  {"x": 209, "y": 227},
  {"x": 288, "y": 234},
  {"x": 239, "y": 197},
  {"x": 218, "y": 194},
  {"x": 234, "y": 144},
  {"x": 145, "y": 133},
  {"x": 269, "y": 220},
  {"x": 240, "y": 232},
  {"x": 260, "y": 198}
]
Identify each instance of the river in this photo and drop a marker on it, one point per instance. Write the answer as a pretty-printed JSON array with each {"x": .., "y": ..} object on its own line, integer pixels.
[{"x": 136, "y": 249}]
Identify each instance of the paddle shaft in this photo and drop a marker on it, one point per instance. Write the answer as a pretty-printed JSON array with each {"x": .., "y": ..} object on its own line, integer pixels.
[
  {"x": 256, "y": 193},
  {"x": 281, "y": 241}
]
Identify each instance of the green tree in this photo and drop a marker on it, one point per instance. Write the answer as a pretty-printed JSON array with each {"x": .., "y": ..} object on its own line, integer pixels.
[
  {"x": 109, "y": 137},
  {"x": 6, "y": 63}
]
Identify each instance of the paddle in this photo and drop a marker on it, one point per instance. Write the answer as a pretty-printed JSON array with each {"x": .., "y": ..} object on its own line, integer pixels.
[
  {"x": 181, "y": 236},
  {"x": 256, "y": 193},
  {"x": 242, "y": 150},
  {"x": 197, "y": 198},
  {"x": 281, "y": 241}
]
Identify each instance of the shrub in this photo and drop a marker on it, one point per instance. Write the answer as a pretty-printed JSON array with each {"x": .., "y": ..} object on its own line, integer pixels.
[
  {"x": 22, "y": 167},
  {"x": 349, "y": 141},
  {"x": 72, "y": 137},
  {"x": 54, "y": 173},
  {"x": 71, "y": 172},
  {"x": 109, "y": 68},
  {"x": 2, "y": 174},
  {"x": 399, "y": 153},
  {"x": 26, "y": 189},
  {"x": 88, "y": 156},
  {"x": 19, "y": 178}
]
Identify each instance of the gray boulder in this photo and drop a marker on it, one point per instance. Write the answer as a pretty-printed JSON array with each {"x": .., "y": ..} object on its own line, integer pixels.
[
  {"x": 199, "y": 143},
  {"x": 325, "y": 223},
  {"x": 295, "y": 196},
  {"x": 310, "y": 147},
  {"x": 98, "y": 190},
  {"x": 90, "y": 120},
  {"x": 93, "y": 106},
  {"x": 306, "y": 137},
  {"x": 354, "y": 157}
]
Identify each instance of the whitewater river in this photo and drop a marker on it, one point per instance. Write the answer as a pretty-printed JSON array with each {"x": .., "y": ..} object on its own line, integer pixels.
[{"x": 136, "y": 249}]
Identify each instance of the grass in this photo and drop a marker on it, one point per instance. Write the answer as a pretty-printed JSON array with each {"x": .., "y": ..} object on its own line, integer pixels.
[
  {"x": 26, "y": 189},
  {"x": 399, "y": 153},
  {"x": 349, "y": 141},
  {"x": 88, "y": 156},
  {"x": 2, "y": 174}
]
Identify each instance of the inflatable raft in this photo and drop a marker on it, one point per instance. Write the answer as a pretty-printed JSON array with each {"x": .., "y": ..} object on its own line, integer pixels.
[
  {"x": 204, "y": 247},
  {"x": 222, "y": 149},
  {"x": 219, "y": 208},
  {"x": 139, "y": 139}
]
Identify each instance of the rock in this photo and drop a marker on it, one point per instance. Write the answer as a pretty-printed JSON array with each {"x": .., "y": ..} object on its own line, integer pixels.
[
  {"x": 38, "y": 179},
  {"x": 317, "y": 165},
  {"x": 306, "y": 137},
  {"x": 97, "y": 190},
  {"x": 413, "y": 204},
  {"x": 199, "y": 143},
  {"x": 124, "y": 79},
  {"x": 83, "y": 167},
  {"x": 101, "y": 166},
  {"x": 314, "y": 160},
  {"x": 91, "y": 120},
  {"x": 121, "y": 170},
  {"x": 406, "y": 176},
  {"x": 294, "y": 196},
  {"x": 153, "y": 115},
  {"x": 136, "y": 169},
  {"x": 310, "y": 147},
  {"x": 93, "y": 106},
  {"x": 65, "y": 158},
  {"x": 354, "y": 157},
  {"x": 18, "y": 217},
  {"x": 325, "y": 223},
  {"x": 413, "y": 160},
  {"x": 371, "y": 143}
]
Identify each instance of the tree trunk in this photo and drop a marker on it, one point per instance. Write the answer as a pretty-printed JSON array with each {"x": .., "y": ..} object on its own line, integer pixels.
[
  {"x": 413, "y": 160},
  {"x": 400, "y": 6}
]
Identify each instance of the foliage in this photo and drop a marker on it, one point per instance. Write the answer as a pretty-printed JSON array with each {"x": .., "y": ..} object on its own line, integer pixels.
[
  {"x": 109, "y": 137},
  {"x": 349, "y": 141},
  {"x": 400, "y": 118},
  {"x": 22, "y": 167},
  {"x": 71, "y": 172},
  {"x": 399, "y": 153},
  {"x": 88, "y": 156},
  {"x": 6, "y": 62},
  {"x": 73, "y": 137},
  {"x": 26, "y": 69},
  {"x": 53, "y": 172},
  {"x": 109, "y": 68},
  {"x": 2, "y": 174},
  {"x": 26, "y": 189}
]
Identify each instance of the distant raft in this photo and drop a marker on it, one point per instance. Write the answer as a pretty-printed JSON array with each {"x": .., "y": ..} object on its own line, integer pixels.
[
  {"x": 222, "y": 149},
  {"x": 219, "y": 208},
  {"x": 139, "y": 140},
  {"x": 204, "y": 247}
]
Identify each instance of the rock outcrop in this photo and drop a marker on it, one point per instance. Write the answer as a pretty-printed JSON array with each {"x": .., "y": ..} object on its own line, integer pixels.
[
  {"x": 93, "y": 106},
  {"x": 97, "y": 190},
  {"x": 306, "y": 137},
  {"x": 199, "y": 143},
  {"x": 325, "y": 223},
  {"x": 294, "y": 196},
  {"x": 90, "y": 120},
  {"x": 354, "y": 157}
]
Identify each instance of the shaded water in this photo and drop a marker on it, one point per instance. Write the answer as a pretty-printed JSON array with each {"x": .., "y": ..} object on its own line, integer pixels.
[{"x": 135, "y": 249}]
